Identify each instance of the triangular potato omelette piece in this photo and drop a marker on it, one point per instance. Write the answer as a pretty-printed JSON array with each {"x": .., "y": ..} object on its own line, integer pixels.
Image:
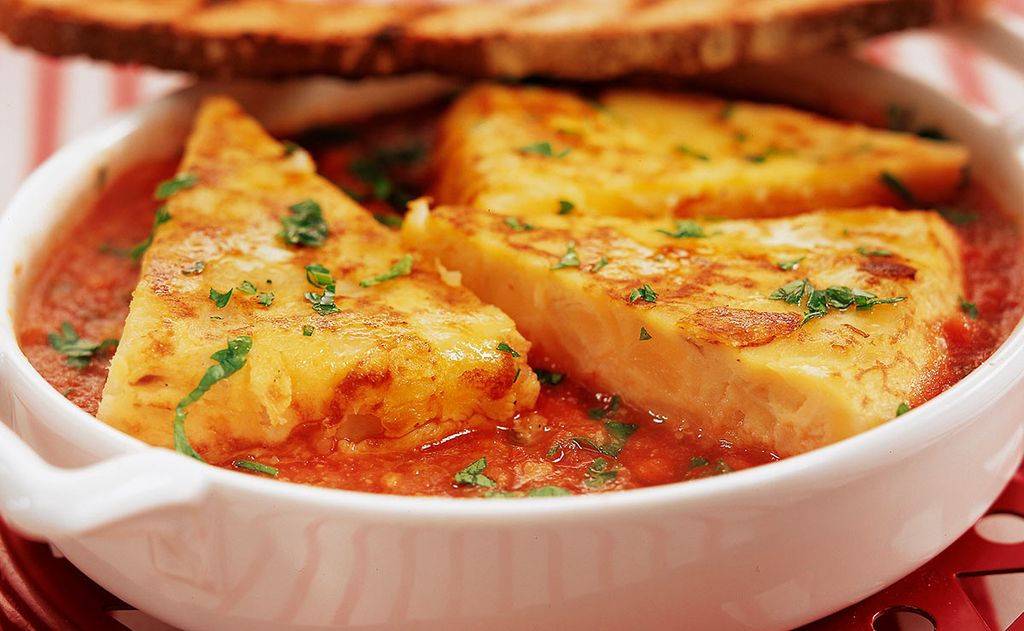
[
  {"x": 522, "y": 149},
  {"x": 396, "y": 357},
  {"x": 788, "y": 333}
]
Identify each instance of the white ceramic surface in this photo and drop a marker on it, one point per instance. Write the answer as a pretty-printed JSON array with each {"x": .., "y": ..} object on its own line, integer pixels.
[{"x": 765, "y": 548}]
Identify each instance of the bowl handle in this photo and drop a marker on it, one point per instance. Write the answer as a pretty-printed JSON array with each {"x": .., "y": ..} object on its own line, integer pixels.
[{"x": 46, "y": 502}]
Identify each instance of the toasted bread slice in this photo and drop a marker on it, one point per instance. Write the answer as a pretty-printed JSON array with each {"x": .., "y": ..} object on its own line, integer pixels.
[
  {"x": 394, "y": 363},
  {"x": 529, "y": 150},
  {"x": 680, "y": 318},
  {"x": 581, "y": 39}
]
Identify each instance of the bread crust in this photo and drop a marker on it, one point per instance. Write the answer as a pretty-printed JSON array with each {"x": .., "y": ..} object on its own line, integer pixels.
[{"x": 568, "y": 39}]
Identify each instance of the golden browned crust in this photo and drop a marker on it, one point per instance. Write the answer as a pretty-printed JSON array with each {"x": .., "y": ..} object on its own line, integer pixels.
[{"x": 577, "y": 39}]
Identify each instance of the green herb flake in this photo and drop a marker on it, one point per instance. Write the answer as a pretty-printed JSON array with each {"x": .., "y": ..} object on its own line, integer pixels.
[
  {"x": 290, "y": 148},
  {"x": 721, "y": 466},
  {"x": 195, "y": 269},
  {"x": 374, "y": 171},
  {"x": 728, "y": 110},
  {"x": 473, "y": 475},
  {"x": 599, "y": 473},
  {"x": 79, "y": 352},
  {"x": 790, "y": 265},
  {"x": 401, "y": 267},
  {"x": 255, "y": 467},
  {"x": 761, "y": 158},
  {"x": 177, "y": 183},
  {"x": 319, "y": 276},
  {"x": 685, "y": 228},
  {"x": 305, "y": 226},
  {"x": 518, "y": 226},
  {"x": 956, "y": 216},
  {"x": 644, "y": 335},
  {"x": 547, "y": 377},
  {"x": 902, "y": 408},
  {"x": 621, "y": 431},
  {"x": 969, "y": 308},
  {"x": 505, "y": 348},
  {"x": 897, "y": 186},
  {"x": 645, "y": 293},
  {"x": 229, "y": 361},
  {"x": 687, "y": 151},
  {"x": 596, "y": 267},
  {"x": 565, "y": 207},
  {"x": 389, "y": 220},
  {"x": 266, "y": 298},
  {"x": 792, "y": 293},
  {"x": 220, "y": 299},
  {"x": 544, "y": 149},
  {"x": 247, "y": 288},
  {"x": 307, "y": 330},
  {"x": 698, "y": 461},
  {"x": 162, "y": 216},
  {"x": 570, "y": 259},
  {"x": 865, "y": 251}
]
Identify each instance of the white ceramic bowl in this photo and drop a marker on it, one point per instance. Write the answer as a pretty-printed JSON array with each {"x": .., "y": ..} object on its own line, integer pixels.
[{"x": 765, "y": 548}]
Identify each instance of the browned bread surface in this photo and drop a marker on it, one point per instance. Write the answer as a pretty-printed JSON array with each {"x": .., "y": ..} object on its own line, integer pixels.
[{"x": 574, "y": 39}]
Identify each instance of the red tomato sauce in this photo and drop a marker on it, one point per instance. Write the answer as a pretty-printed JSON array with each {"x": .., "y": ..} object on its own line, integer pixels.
[{"x": 570, "y": 443}]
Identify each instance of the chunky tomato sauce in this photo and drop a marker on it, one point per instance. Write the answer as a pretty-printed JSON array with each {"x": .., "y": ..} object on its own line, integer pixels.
[{"x": 87, "y": 278}]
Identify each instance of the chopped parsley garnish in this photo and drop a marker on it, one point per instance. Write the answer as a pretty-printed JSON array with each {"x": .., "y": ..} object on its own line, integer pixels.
[
  {"x": 518, "y": 226},
  {"x": 685, "y": 228},
  {"x": 220, "y": 299},
  {"x": 570, "y": 259},
  {"x": 505, "y": 348},
  {"x": 793, "y": 292},
  {"x": 307, "y": 330},
  {"x": 645, "y": 293},
  {"x": 544, "y": 149},
  {"x": 607, "y": 410},
  {"x": 902, "y": 408},
  {"x": 760, "y": 158},
  {"x": 256, "y": 467},
  {"x": 600, "y": 473},
  {"x": 687, "y": 151},
  {"x": 229, "y": 361},
  {"x": 790, "y": 265},
  {"x": 969, "y": 308},
  {"x": 473, "y": 474},
  {"x": 835, "y": 297},
  {"x": 374, "y": 172},
  {"x": 547, "y": 377},
  {"x": 565, "y": 207},
  {"x": 266, "y": 298},
  {"x": 720, "y": 466},
  {"x": 612, "y": 449},
  {"x": 290, "y": 148},
  {"x": 320, "y": 276},
  {"x": 621, "y": 431},
  {"x": 956, "y": 216},
  {"x": 387, "y": 219},
  {"x": 305, "y": 226},
  {"x": 644, "y": 335},
  {"x": 162, "y": 216},
  {"x": 247, "y": 288},
  {"x": 402, "y": 267},
  {"x": 194, "y": 269},
  {"x": 177, "y": 183},
  {"x": 728, "y": 110},
  {"x": 78, "y": 351},
  {"x": 864, "y": 251},
  {"x": 597, "y": 266},
  {"x": 897, "y": 186}
]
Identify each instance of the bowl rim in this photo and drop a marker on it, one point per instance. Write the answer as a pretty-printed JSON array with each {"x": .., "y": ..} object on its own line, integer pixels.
[{"x": 851, "y": 457}]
